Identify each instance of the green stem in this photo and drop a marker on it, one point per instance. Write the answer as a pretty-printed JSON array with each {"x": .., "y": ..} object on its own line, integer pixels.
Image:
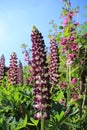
[
  {"x": 42, "y": 124},
  {"x": 84, "y": 98},
  {"x": 81, "y": 102},
  {"x": 69, "y": 80}
]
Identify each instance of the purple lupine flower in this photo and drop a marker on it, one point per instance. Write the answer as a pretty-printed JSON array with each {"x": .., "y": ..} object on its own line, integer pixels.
[
  {"x": 20, "y": 73},
  {"x": 71, "y": 56},
  {"x": 2, "y": 67},
  {"x": 2, "y": 59},
  {"x": 41, "y": 77},
  {"x": 27, "y": 58},
  {"x": 63, "y": 85},
  {"x": 31, "y": 77},
  {"x": 54, "y": 62},
  {"x": 27, "y": 54},
  {"x": 75, "y": 96},
  {"x": 12, "y": 72}
]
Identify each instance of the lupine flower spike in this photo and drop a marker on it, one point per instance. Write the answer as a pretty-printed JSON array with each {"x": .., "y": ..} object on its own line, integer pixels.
[
  {"x": 54, "y": 62},
  {"x": 2, "y": 67},
  {"x": 12, "y": 72},
  {"x": 41, "y": 77}
]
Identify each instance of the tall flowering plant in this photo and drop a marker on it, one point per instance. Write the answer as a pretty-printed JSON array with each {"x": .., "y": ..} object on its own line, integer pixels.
[
  {"x": 12, "y": 72},
  {"x": 41, "y": 77},
  {"x": 2, "y": 67},
  {"x": 69, "y": 51},
  {"x": 73, "y": 61},
  {"x": 54, "y": 62},
  {"x": 28, "y": 77}
]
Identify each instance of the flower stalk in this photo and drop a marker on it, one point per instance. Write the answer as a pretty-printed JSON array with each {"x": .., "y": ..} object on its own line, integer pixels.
[
  {"x": 54, "y": 62},
  {"x": 2, "y": 68},
  {"x": 12, "y": 72},
  {"x": 42, "y": 124},
  {"x": 41, "y": 77}
]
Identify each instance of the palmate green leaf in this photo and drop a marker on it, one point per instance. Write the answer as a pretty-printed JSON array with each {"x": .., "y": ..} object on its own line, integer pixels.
[
  {"x": 25, "y": 94},
  {"x": 1, "y": 120},
  {"x": 53, "y": 124},
  {"x": 16, "y": 96},
  {"x": 74, "y": 69},
  {"x": 25, "y": 121},
  {"x": 58, "y": 96},
  {"x": 12, "y": 124},
  {"x": 5, "y": 109},
  {"x": 3, "y": 123},
  {"x": 62, "y": 114},
  {"x": 35, "y": 122},
  {"x": 62, "y": 60},
  {"x": 21, "y": 123},
  {"x": 68, "y": 115}
]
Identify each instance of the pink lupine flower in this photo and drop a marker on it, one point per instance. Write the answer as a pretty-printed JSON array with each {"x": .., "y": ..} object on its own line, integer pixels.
[
  {"x": 82, "y": 62},
  {"x": 27, "y": 58},
  {"x": 69, "y": 62},
  {"x": 72, "y": 14},
  {"x": 64, "y": 50},
  {"x": 73, "y": 81},
  {"x": 65, "y": 22},
  {"x": 76, "y": 23},
  {"x": 72, "y": 38},
  {"x": 71, "y": 56},
  {"x": 73, "y": 46},
  {"x": 76, "y": 88},
  {"x": 63, "y": 41}
]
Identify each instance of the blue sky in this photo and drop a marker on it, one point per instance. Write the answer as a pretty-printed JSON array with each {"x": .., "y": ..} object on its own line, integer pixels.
[{"x": 18, "y": 16}]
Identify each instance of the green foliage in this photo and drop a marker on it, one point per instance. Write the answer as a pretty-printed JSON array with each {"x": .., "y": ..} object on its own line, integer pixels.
[{"x": 15, "y": 107}]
